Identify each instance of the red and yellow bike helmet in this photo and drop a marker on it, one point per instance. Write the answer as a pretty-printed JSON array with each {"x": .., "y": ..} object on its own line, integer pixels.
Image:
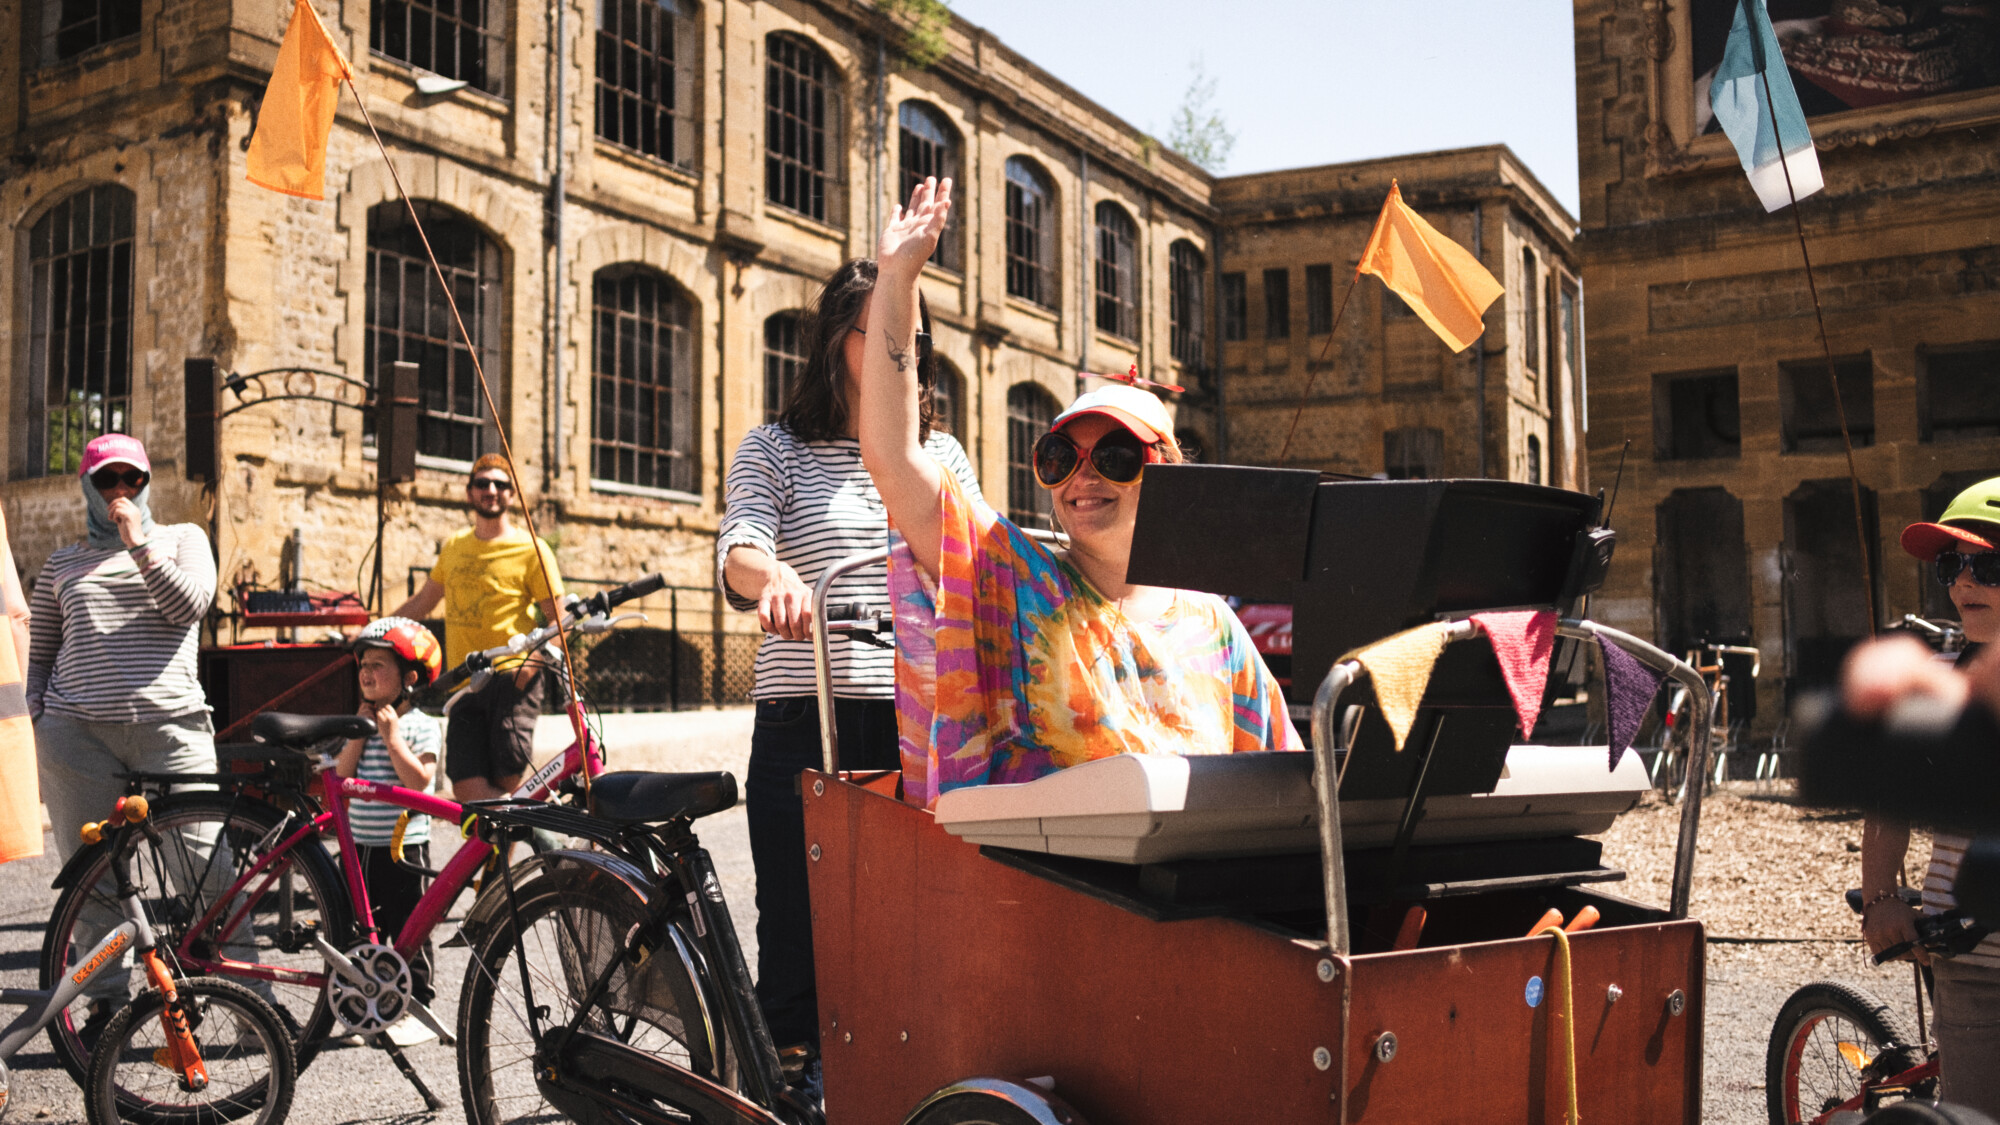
[{"x": 414, "y": 645}]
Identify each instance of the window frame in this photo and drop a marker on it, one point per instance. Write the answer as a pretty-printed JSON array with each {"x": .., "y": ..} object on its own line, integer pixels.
[
  {"x": 919, "y": 156},
  {"x": 802, "y": 141},
  {"x": 1031, "y": 234},
  {"x": 1233, "y": 297},
  {"x": 623, "y": 104},
  {"x": 1666, "y": 445},
  {"x": 1187, "y": 311},
  {"x": 1319, "y": 299},
  {"x": 1278, "y": 303},
  {"x": 1030, "y": 410},
  {"x": 672, "y": 315},
  {"x": 1859, "y": 409},
  {"x": 1929, "y": 359},
  {"x": 104, "y": 341},
  {"x": 490, "y": 74},
  {"x": 1531, "y": 311},
  {"x": 128, "y": 20},
  {"x": 484, "y": 320},
  {"x": 782, "y": 367},
  {"x": 1117, "y": 271},
  {"x": 1410, "y": 439}
]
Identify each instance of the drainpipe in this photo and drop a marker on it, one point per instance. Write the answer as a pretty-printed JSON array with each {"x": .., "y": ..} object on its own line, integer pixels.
[
  {"x": 876, "y": 172},
  {"x": 1212, "y": 315},
  {"x": 1086, "y": 278},
  {"x": 1479, "y": 354},
  {"x": 552, "y": 419}
]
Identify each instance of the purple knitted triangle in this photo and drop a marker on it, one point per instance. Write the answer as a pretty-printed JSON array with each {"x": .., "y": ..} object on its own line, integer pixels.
[{"x": 1629, "y": 688}]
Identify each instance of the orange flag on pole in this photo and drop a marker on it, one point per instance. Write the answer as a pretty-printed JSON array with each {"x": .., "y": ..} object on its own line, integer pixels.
[
  {"x": 1439, "y": 279},
  {"x": 288, "y": 151}
]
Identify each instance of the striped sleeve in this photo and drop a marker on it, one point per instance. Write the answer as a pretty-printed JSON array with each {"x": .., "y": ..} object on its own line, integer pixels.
[
  {"x": 950, "y": 455},
  {"x": 754, "y": 496},
  {"x": 182, "y": 582},
  {"x": 44, "y": 636}
]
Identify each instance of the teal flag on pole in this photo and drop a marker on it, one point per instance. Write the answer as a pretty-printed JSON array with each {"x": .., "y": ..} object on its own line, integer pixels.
[{"x": 1754, "y": 101}]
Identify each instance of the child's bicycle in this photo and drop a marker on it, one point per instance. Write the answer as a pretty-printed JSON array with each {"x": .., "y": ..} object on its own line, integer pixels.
[
  {"x": 240, "y": 885},
  {"x": 1670, "y": 766},
  {"x": 1838, "y": 1053},
  {"x": 187, "y": 1050}
]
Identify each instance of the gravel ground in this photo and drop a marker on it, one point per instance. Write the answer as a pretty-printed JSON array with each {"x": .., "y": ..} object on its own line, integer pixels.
[{"x": 1766, "y": 870}]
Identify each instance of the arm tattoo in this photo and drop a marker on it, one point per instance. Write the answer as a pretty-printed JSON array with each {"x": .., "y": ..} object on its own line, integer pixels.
[{"x": 899, "y": 356}]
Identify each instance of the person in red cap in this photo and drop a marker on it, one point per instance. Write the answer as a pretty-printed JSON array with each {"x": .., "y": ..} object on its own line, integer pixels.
[
  {"x": 1014, "y": 659},
  {"x": 111, "y": 664},
  {"x": 1963, "y": 550}
]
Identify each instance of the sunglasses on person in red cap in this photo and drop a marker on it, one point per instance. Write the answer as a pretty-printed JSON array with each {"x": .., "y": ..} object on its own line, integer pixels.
[
  {"x": 1119, "y": 457},
  {"x": 111, "y": 476}
]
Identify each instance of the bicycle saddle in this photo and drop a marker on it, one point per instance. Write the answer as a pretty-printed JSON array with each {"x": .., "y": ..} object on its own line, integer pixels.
[
  {"x": 635, "y": 797},
  {"x": 306, "y": 730}
]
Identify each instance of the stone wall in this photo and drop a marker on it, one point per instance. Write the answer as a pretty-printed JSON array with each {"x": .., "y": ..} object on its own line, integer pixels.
[{"x": 1687, "y": 273}]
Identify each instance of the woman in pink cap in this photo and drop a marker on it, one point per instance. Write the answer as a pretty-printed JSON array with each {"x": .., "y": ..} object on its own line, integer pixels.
[
  {"x": 1014, "y": 660},
  {"x": 111, "y": 662}
]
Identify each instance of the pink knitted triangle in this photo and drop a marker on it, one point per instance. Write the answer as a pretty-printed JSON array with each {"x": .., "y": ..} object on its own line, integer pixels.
[{"x": 1522, "y": 642}]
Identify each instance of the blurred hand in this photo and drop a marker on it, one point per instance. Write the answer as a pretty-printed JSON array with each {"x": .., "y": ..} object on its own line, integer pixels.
[
  {"x": 912, "y": 234},
  {"x": 785, "y": 607},
  {"x": 1892, "y": 922},
  {"x": 131, "y": 525},
  {"x": 1882, "y": 673}
]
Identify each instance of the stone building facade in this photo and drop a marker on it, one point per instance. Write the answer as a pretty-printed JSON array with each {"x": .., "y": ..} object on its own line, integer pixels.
[
  {"x": 634, "y": 200},
  {"x": 1735, "y": 516},
  {"x": 1386, "y": 395},
  {"x": 631, "y": 224}
]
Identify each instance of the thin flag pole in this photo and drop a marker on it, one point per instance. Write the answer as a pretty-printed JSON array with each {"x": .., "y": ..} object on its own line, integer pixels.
[
  {"x": 478, "y": 370},
  {"x": 1312, "y": 374},
  {"x": 1819, "y": 316}
]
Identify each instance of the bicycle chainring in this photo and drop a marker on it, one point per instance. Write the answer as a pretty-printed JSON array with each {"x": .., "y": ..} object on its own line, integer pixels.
[
  {"x": 6, "y": 1087},
  {"x": 383, "y": 997}
]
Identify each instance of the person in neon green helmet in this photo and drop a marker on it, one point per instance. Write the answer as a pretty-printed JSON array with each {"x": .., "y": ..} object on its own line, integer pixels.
[{"x": 1963, "y": 550}]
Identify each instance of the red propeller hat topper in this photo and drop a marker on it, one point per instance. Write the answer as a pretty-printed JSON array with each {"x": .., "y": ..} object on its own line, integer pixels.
[{"x": 1132, "y": 379}]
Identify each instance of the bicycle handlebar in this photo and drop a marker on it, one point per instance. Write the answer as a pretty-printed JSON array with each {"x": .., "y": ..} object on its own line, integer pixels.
[{"x": 597, "y": 605}]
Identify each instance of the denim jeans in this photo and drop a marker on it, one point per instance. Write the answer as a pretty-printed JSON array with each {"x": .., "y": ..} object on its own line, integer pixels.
[{"x": 786, "y": 741}]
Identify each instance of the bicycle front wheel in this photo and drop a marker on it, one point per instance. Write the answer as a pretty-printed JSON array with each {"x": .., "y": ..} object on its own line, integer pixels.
[
  {"x": 261, "y": 934},
  {"x": 564, "y": 934},
  {"x": 245, "y": 1049},
  {"x": 1824, "y": 1037}
]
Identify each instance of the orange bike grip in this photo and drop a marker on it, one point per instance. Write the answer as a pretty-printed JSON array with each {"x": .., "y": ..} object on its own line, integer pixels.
[
  {"x": 1412, "y": 928},
  {"x": 1585, "y": 918},
  {"x": 181, "y": 1048},
  {"x": 1553, "y": 917}
]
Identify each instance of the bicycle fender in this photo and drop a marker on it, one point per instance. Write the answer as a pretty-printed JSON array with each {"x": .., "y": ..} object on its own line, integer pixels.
[
  {"x": 589, "y": 873},
  {"x": 72, "y": 870},
  {"x": 1029, "y": 1098}
]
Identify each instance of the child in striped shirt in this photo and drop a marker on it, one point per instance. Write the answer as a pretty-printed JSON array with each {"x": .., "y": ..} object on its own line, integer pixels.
[{"x": 395, "y": 656}]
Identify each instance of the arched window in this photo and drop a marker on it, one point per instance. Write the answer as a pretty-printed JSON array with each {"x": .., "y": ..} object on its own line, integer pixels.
[
  {"x": 801, "y": 115},
  {"x": 930, "y": 148},
  {"x": 642, "y": 378},
  {"x": 454, "y": 38},
  {"x": 784, "y": 359},
  {"x": 1826, "y": 604},
  {"x": 1031, "y": 233},
  {"x": 1187, "y": 311},
  {"x": 648, "y": 70},
  {"x": 1531, "y": 311},
  {"x": 79, "y": 382},
  {"x": 1117, "y": 272},
  {"x": 1701, "y": 577},
  {"x": 1030, "y": 409},
  {"x": 408, "y": 319},
  {"x": 1534, "y": 459},
  {"x": 948, "y": 399}
]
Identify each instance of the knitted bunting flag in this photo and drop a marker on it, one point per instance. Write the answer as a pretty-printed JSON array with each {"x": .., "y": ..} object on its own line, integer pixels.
[
  {"x": 1401, "y": 668},
  {"x": 1523, "y": 641},
  {"x": 1629, "y": 688}
]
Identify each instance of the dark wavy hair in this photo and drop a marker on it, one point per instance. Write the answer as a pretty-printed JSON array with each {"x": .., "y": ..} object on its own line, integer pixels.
[{"x": 816, "y": 406}]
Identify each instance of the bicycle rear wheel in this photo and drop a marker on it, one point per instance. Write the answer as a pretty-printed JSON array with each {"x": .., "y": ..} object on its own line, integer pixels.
[
  {"x": 207, "y": 840},
  {"x": 245, "y": 1048},
  {"x": 568, "y": 931},
  {"x": 1823, "y": 1038}
]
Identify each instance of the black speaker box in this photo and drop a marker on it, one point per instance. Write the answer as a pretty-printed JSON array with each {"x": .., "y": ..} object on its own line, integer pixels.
[
  {"x": 200, "y": 464},
  {"x": 396, "y": 424}
]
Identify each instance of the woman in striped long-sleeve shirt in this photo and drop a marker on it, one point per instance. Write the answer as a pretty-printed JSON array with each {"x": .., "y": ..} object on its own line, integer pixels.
[
  {"x": 798, "y": 500},
  {"x": 111, "y": 660}
]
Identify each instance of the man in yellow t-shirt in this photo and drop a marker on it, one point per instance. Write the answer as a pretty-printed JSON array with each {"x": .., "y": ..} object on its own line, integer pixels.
[{"x": 489, "y": 580}]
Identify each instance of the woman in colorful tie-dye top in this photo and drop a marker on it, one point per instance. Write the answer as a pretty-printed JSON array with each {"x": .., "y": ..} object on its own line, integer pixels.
[{"x": 1014, "y": 660}]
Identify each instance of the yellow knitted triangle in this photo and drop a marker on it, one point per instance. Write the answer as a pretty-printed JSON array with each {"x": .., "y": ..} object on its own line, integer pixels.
[{"x": 1401, "y": 668}]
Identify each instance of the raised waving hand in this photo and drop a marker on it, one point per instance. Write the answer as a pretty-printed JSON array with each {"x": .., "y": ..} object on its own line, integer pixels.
[{"x": 912, "y": 234}]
